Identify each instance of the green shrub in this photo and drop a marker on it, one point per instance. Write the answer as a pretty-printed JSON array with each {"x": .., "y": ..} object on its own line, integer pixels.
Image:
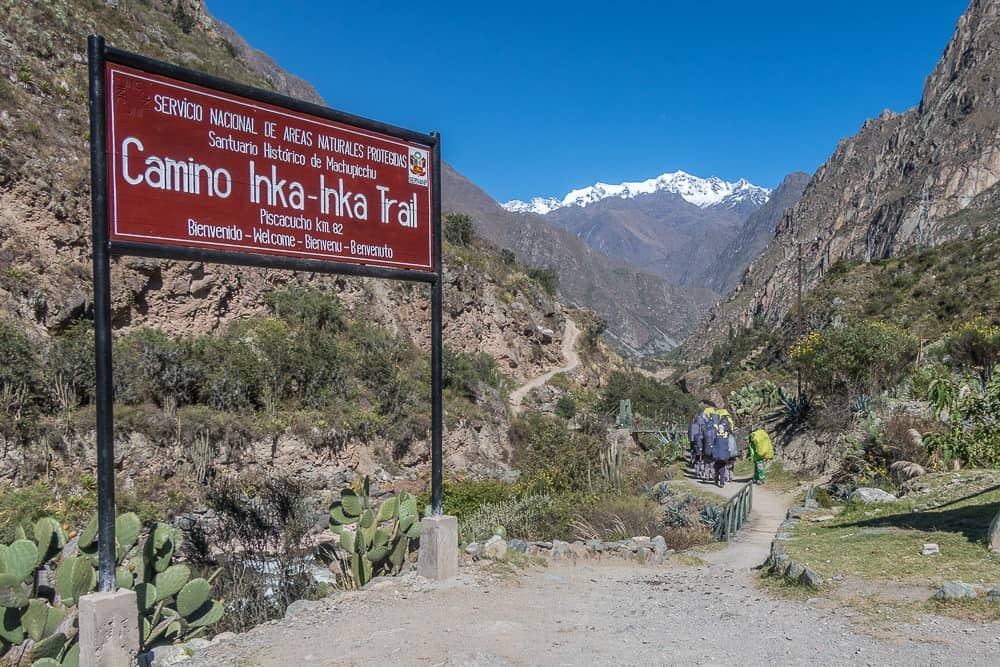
[
  {"x": 551, "y": 458},
  {"x": 150, "y": 365},
  {"x": 464, "y": 497},
  {"x": 70, "y": 363},
  {"x": 975, "y": 346},
  {"x": 548, "y": 279},
  {"x": 650, "y": 397},
  {"x": 457, "y": 229},
  {"x": 518, "y": 516},
  {"x": 307, "y": 308},
  {"x": 865, "y": 358},
  {"x": 465, "y": 372},
  {"x": 566, "y": 407}
]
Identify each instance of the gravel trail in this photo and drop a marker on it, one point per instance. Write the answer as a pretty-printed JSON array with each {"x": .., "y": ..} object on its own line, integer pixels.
[
  {"x": 595, "y": 614},
  {"x": 607, "y": 613}
]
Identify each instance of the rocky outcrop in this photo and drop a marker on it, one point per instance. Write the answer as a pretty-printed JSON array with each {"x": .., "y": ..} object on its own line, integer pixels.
[{"x": 918, "y": 178}]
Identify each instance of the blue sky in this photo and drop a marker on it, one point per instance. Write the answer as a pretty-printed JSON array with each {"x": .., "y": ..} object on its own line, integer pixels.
[{"x": 537, "y": 98}]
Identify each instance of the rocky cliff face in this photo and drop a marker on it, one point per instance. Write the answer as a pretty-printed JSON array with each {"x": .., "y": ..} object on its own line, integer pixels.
[
  {"x": 753, "y": 235},
  {"x": 904, "y": 180}
]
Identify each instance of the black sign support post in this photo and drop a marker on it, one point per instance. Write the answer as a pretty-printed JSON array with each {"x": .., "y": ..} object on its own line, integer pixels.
[
  {"x": 436, "y": 405},
  {"x": 102, "y": 320},
  {"x": 104, "y": 248}
]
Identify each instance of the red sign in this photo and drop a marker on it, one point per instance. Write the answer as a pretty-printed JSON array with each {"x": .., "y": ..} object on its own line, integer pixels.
[{"x": 196, "y": 167}]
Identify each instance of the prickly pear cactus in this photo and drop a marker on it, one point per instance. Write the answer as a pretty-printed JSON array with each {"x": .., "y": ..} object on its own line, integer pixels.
[
  {"x": 171, "y": 604},
  {"x": 374, "y": 541}
]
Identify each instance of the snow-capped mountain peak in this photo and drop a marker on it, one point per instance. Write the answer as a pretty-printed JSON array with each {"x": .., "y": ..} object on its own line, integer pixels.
[{"x": 702, "y": 192}]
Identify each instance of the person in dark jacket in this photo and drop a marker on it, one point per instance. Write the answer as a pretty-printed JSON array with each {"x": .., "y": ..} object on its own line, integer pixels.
[{"x": 721, "y": 453}]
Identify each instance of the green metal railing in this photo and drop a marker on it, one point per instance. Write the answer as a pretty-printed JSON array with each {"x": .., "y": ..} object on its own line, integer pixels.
[{"x": 735, "y": 514}]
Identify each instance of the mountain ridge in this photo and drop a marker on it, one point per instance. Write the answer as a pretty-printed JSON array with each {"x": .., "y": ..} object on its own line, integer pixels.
[{"x": 702, "y": 192}]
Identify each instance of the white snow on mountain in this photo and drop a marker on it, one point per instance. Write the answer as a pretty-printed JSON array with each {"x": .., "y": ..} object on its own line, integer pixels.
[{"x": 702, "y": 192}]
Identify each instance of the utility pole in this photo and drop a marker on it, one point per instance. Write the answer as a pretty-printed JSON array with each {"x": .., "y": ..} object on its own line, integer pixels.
[{"x": 798, "y": 371}]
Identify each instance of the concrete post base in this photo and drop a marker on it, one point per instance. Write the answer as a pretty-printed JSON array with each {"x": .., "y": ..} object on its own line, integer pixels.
[
  {"x": 109, "y": 629},
  {"x": 438, "y": 556}
]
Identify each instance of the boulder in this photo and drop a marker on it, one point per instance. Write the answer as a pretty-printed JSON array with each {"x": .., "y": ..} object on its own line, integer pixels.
[
  {"x": 810, "y": 578},
  {"x": 517, "y": 545},
  {"x": 795, "y": 570},
  {"x": 869, "y": 496},
  {"x": 930, "y": 549},
  {"x": 161, "y": 656},
  {"x": 659, "y": 544},
  {"x": 955, "y": 590},
  {"x": 595, "y": 546},
  {"x": 475, "y": 549},
  {"x": 495, "y": 548},
  {"x": 561, "y": 549},
  {"x": 993, "y": 595}
]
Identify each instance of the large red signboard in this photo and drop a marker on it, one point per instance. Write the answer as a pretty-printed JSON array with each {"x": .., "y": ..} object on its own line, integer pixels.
[{"x": 196, "y": 167}]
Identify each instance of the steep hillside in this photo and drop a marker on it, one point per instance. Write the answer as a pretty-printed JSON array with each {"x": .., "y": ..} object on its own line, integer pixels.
[
  {"x": 904, "y": 180},
  {"x": 491, "y": 306},
  {"x": 753, "y": 236},
  {"x": 644, "y": 313}
]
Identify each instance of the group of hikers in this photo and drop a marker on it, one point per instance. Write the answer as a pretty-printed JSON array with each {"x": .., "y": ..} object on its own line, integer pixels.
[{"x": 714, "y": 448}]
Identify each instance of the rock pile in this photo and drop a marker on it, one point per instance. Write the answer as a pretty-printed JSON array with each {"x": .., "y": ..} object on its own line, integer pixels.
[{"x": 639, "y": 548}]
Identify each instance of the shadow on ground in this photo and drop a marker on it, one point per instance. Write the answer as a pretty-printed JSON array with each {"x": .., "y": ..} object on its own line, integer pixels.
[{"x": 970, "y": 520}]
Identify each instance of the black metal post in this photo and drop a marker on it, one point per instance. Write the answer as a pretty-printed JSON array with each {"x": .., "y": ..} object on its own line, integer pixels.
[
  {"x": 102, "y": 319},
  {"x": 437, "y": 491}
]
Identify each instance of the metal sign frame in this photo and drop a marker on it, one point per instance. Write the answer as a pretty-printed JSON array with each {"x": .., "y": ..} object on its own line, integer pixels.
[{"x": 103, "y": 249}]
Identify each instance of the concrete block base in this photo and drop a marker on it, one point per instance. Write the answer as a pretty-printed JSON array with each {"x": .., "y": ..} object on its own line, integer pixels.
[
  {"x": 438, "y": 556},
  {"x": 109, "y": 629}
]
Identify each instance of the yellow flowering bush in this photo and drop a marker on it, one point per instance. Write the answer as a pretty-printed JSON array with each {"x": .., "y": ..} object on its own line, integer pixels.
[{"x": 864, "y": 358}]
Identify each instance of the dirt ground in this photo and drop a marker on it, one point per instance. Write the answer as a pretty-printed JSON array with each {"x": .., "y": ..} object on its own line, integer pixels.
[{"x": 605, "y": 613}]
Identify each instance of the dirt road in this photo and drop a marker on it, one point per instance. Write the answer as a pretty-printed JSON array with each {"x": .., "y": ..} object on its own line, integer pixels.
[
  {"x": 607, "y": 613},
  {"x": 569, "y": 355}
]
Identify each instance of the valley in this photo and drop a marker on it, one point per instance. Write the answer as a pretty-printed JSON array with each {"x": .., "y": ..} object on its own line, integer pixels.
[{"x": 273, "y": 427}]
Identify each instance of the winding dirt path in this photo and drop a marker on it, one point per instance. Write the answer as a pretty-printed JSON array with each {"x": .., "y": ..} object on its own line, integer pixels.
[{"x": 572, "y": 359}]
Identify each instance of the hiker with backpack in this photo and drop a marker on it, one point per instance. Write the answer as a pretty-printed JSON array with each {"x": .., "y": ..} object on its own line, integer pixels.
[
  {"x": 721, "y": 451},
  {"x": 759, "y": 449},
  {"x": 695, "y": 441}
]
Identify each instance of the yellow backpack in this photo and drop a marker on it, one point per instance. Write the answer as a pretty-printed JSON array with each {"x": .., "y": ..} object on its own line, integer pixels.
[{"x": 762, "y": 444}]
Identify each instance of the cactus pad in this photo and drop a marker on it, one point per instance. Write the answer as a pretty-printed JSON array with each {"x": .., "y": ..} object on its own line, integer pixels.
[
  {"x": 12, "y": 596},
  {"x": 11, "y": 630},
  {"x": 207, "y": 615},
  {"x": 48, "y": 648},
  {"x": 40, "y": 620},
  {"x": 127, "y": 529},
  {"x": 89, "y": 534},
  {"x": 351, "y": 503},
  {"x": 192, "y": 596},
  {"x": 145, "y": 596},
  {"x": 73, "y": 577},
  {"x": 388, "y": 511},
  {"x": 171, "y": 581},
  {"x": 49, "y": 536},
  {"x": 20, "y": 559}
]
